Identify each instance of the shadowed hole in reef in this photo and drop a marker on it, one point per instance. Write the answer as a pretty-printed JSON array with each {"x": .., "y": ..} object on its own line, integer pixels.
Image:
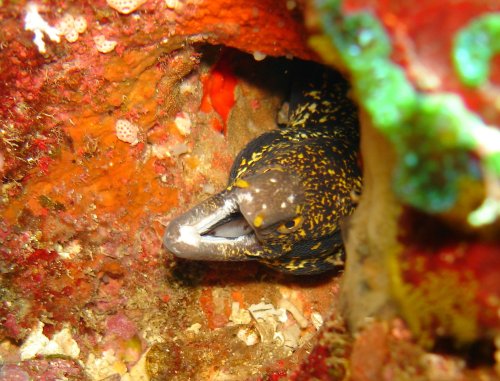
[
  {"x": 477, "y": 354},
  {"x": 204, "y": 291},
  {"x": 276, "y": 77}
]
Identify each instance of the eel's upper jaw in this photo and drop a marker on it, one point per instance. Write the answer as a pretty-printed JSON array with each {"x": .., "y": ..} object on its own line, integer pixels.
[{"x": 201, "y": 233}]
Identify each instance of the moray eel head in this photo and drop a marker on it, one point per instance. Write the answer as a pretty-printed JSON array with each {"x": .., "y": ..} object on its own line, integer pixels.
[
  {"x": 271, "y": 203},
  {"x": 240, "y": 222},
  {"x": 289, "y": 189}
]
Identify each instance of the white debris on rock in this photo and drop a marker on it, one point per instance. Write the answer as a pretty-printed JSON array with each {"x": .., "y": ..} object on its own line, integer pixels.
[
  {"x": 139, "y": 371},
  {"x": 239, "y": 315},
  {"x": 162, "y": 151},
  {"x": 103, "y": 45},
  {"x": 34, "y": 22},
  {"x": 178, "y": 149},
  {"x": 107, "y": 365},
  {"x": 248, "y": 336},
  {"x": 317, "y": 320},
  {"x": 187, "y": 87},
  {"x": 297, "y": 315},
  {"x": 272, "y": 324},
  {"x": 194, "y": 328},
  {"x": 62, "y": 343},
  {"x": 291, "y": 336},
  {"x": 183, "y": 123},
  {"x": 266, "y": 318},
  {"x": 68, "y": 251},
  {"x": 264, "y": 310},
  {"x": 159, "y": 151},
  {"x": 68, "y": 26}
]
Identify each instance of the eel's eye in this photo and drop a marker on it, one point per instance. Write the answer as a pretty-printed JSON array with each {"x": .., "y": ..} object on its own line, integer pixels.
[{"x": 290, "y": 226}]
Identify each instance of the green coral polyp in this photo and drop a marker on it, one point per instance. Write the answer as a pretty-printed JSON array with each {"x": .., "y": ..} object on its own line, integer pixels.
[
  {"x": 473, "y": 48},
  {"x": 363, "y": 38},
  {"x": 379, "y": 82},
  {"x": 492, "y": 162},
  {"x": 441, "y": 185},
  {"x": 433, "y": 135},
  {"x": 446, "y": 115}
]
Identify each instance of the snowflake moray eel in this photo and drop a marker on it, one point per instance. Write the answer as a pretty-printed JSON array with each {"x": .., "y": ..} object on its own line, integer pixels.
[{"x": 288, "y": 191}]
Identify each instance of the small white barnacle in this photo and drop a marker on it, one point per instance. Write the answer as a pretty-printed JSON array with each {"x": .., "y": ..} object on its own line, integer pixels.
[
  {"x": 172, "y": 4},
  {"x": 273, "y": 180},
  {"x": 103, "y": 45},
  {"x": 259, "y": 56},
  {"x": 283, "y": 205}
]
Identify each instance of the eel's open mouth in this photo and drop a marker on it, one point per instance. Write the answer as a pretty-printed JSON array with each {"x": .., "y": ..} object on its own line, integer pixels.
[
  {"x": 233, "y": 226},
  {"x": 229, "y": 225},
  {"x": 213, "y": 230}
]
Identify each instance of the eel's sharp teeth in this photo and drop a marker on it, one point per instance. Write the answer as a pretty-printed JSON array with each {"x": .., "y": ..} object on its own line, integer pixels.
[
  {"x": 205, "y": 224},
  {"x": 236, "y": 227}
]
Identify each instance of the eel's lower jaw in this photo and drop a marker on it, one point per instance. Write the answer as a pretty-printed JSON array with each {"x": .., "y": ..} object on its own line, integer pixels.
[{"x": 208, "y": 232}]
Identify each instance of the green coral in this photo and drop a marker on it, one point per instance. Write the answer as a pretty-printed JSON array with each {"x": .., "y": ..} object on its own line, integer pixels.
[
  {"x": 473, "y": 48},
  {"x": 433, "y": 161},
  {"x": 434, "y": 136}
]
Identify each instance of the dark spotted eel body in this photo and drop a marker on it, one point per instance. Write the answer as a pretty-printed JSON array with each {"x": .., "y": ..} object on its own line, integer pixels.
[{"x": 289, "y": 190}]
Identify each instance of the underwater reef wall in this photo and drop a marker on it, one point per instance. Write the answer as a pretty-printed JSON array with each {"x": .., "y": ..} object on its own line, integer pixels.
[
  {"x": 432, "y": 221},
  {"x": 117, "y": 115}
]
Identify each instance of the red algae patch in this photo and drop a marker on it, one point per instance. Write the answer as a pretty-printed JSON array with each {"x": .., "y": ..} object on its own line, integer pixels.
[{"x": 219, "y": 85}]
